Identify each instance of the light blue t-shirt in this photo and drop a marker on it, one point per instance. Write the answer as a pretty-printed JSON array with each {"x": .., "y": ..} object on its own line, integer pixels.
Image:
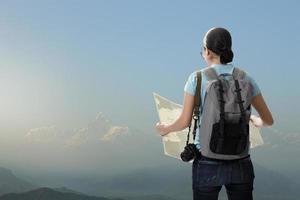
[{"x": 191, "y": 83}]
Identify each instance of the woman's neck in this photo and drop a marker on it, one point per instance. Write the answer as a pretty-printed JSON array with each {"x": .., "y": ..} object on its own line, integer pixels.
[{"x": 214, "y": 61}]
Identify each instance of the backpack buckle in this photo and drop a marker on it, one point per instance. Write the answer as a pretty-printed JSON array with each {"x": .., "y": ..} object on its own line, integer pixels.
[{"x": 196, "y": 117}]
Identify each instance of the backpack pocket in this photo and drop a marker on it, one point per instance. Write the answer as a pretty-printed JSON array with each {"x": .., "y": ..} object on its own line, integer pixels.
[{"x": 232, "y": 142}]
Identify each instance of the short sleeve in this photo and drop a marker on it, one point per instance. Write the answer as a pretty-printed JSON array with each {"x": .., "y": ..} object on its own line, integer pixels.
[
  {"x": 191, "y": 84},
  {"x": 255, "y": 88}
]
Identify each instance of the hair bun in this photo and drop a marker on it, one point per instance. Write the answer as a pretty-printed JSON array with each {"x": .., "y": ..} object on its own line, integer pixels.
[{"x": 226, "y": 56}]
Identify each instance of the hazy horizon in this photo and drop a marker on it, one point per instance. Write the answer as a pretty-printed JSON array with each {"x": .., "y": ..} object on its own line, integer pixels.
[{"x": 77, "y": 79}]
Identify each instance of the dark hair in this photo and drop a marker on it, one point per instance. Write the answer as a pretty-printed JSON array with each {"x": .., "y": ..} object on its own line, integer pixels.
[{"x": 218, "y": 40}]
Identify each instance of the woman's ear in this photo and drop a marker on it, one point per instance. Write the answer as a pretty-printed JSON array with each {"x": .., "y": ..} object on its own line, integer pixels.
[
  {"x": 211, "y": 54},
  {"x": 207, "y": 52}
]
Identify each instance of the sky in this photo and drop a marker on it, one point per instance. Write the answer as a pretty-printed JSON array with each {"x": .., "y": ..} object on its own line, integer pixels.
[{"x": 64, "y": 62}]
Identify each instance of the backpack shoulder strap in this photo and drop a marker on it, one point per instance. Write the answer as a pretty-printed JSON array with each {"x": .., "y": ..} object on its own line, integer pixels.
[
  {"x": 210, "y": 73},
  {"x": 238, "y": 73}
]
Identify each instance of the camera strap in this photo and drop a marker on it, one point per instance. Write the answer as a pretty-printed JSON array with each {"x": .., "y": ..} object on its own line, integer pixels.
[{"x": 196, "y": 111}]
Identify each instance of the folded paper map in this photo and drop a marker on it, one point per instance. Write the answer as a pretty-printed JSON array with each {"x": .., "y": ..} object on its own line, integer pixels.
[{"x": 175, "y": 142}]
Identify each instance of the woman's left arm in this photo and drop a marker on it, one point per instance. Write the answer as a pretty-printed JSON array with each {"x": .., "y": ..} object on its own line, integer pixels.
[{"x": 184, "y": 119}]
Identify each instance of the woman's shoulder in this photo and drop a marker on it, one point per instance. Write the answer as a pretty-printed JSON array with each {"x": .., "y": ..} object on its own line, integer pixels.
[
  {"x": 191, "y": 83},
  {"x": 194, "y": 73},
  {"x": 249, "y": 77}
]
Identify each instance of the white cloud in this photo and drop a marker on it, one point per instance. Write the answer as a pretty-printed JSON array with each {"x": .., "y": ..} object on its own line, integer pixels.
[
  {"x": 100, "y": 127},
  {"x": 98, "y": 130},
  {"x": 113, "y": 132},
  {"x": 43, "y": 134},
  {"x": 79, "y": 138}
]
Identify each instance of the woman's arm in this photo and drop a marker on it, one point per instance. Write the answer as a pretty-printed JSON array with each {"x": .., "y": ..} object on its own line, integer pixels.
[
  {"x": 184, "y": 118},
  {"x": 260, "y": 106}
]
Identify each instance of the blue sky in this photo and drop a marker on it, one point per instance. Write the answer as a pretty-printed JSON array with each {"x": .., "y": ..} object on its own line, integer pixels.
[{"x": 64, "y": 61}]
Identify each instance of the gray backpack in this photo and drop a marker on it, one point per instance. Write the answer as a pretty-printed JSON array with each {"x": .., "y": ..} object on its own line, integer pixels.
[{"x": 224, "y": 128}]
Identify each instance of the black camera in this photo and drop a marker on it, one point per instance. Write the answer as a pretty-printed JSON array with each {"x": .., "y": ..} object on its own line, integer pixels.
[{"x": 190, "y": 152}]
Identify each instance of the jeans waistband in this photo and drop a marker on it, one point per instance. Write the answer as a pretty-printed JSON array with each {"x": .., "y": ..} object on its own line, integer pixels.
[{"x": 223, "y": 160}]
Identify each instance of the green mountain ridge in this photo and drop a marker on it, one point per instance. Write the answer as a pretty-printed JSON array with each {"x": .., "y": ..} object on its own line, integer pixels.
[{"x": 10, "y": 183}]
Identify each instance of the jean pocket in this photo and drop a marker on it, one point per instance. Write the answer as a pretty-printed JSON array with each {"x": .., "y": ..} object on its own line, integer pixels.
[{"x": 206, "y": 173}]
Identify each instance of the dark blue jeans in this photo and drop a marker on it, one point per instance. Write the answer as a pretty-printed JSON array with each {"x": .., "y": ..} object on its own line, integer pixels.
[{"x": 209, "y": 175}]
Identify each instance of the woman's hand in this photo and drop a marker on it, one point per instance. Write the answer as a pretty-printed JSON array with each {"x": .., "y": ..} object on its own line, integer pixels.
[
  {"x": 183, "y": 119},
  {"x": 161, "y": 128},
  {"x": 257, "y": 121}
]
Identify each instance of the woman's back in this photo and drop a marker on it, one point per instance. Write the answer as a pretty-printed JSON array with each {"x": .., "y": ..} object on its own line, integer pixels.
[{"x": 191, "y": 83}]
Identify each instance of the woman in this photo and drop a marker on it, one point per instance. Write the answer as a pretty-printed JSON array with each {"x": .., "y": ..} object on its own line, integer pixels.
[{"x": 210, "y": 174}]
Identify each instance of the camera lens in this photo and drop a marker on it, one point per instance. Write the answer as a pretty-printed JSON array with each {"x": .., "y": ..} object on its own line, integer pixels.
[{"x": 190, "y": 151}]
